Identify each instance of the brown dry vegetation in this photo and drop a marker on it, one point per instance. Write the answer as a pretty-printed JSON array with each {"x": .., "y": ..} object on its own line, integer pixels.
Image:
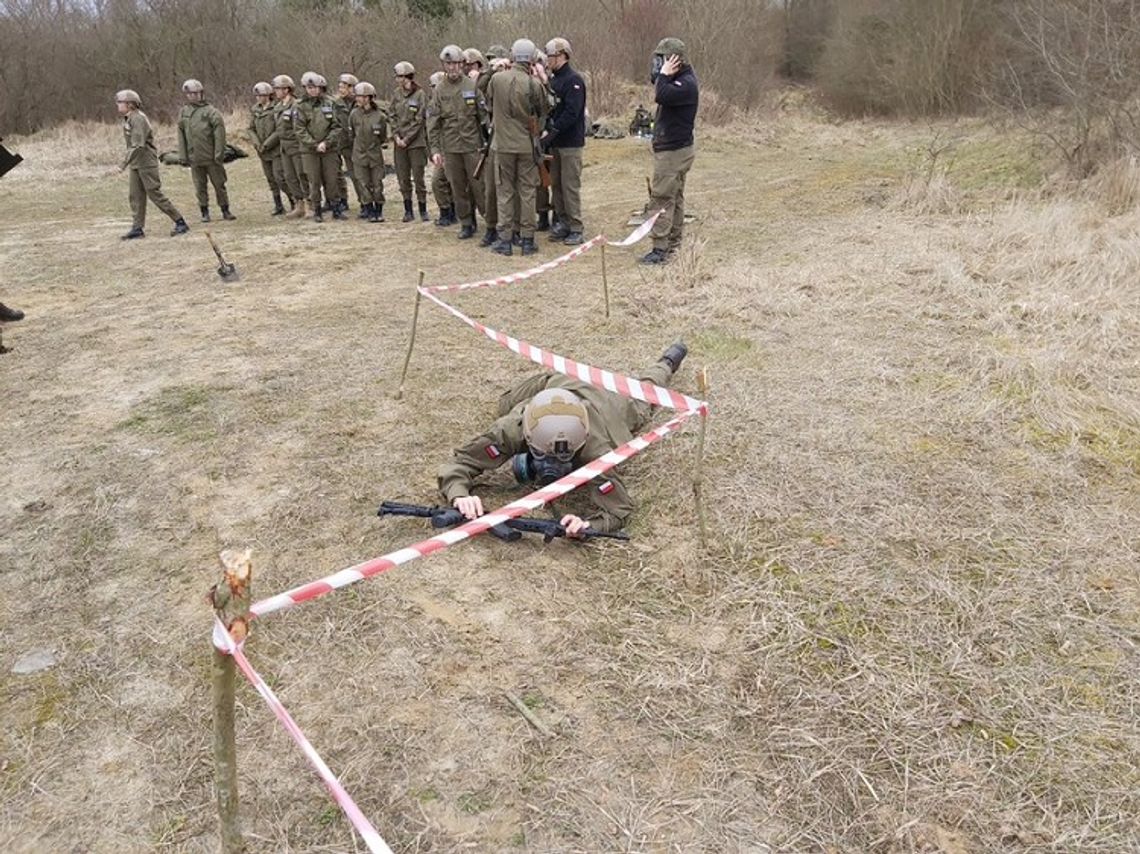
[{"x": 916, "y": 629}]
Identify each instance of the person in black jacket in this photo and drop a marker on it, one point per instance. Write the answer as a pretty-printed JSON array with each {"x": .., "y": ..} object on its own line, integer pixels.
[
  {"x": 673, "y": 145},
  {"x": 565, "y": 136}
]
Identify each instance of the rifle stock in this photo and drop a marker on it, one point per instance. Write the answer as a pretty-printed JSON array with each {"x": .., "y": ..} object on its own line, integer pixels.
[
  {"x": 510, "y": 530},
  {"x": 539, "y": 157}
]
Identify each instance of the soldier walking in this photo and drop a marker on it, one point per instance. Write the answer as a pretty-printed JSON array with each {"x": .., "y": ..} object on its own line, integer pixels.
[
  {"x": 319, "y": 133},
  {"x": 565, "y": 136},
  {"x": 292, "y": 163},
  {"x": 267, "y": 144},
  {"x": 673, "y": 145},
  {"x": 457, "y": 127},
  {"x": 440, "y": 188},
  {"x": 345, "y": 103},
  {"x": 368, "y": 131},
  {"x": 141, "y": 163},
  {"x": 518, "y": 109},
  {"x": 202, "y": 144},
  {"x": 409, "y": 138}
]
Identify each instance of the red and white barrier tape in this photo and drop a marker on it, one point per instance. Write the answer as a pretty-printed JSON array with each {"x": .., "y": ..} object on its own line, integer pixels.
[
  {"x": 225, "y": 642},
  {"x": 450, "y": 537},
  {"x": 634, "y": 236}
]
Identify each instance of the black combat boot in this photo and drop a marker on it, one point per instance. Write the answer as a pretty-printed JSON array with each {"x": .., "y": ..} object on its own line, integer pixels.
[
  {"x": 467, "y": 232},
  {"x": 205, "y": 213},
  {"x": 278, "y": 208},
  {"x": 180, "y": 227},
  {"x": 226, "y": 215},
  {"x": 675, "y": 355},
  {"x": 516, "y": 238},
  {"x": 338, "y": 210},
  {"x": 423, "y": 212},
  {"x": 446, "y": 217},
  {"x": 317, "y": 215},
  {"x": 528, "y": 247},
  {"x": 134, "y": 234},
  {"x": 10, "y": 315},
  {"x": 377, "y": 212},
  {"x": 408, "y": 215},
  {"x": 655, "y": 256},
  {"x": 559, "y": 231},
  {"x": 365, "y": 210},
  {"x": 543, "y": 222},
  {"x": 490, "y": 237},
  {"x": 574, "y": 238},
  {"x": 503, "y": 247}
]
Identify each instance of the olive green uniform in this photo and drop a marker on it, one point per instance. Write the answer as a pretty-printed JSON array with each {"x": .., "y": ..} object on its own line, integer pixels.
[
  {"x": 344, "y": 108},
  {"x": 315, "y": 121},
  {"x": 408, "y": 110},
  {"x": 440, "y": 188},
  {"x": 141, "y": 163},
  {"x": 368, "y": 131},
  {"x": 456, "y": 123},
  {"x": 292, "y": 164},
  {"x": 514, "y": 97},
  {"x": 263, "y": 131},
  {"x": 614, "y": 420},
  {"x": 202, "y": 144},
  {"x": 491, "y": 205}
]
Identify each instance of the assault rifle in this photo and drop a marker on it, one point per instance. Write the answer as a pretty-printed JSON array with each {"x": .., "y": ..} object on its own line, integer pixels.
[
  {"x": 510, "y": 530},
  {"x": 539, "y": 156}
]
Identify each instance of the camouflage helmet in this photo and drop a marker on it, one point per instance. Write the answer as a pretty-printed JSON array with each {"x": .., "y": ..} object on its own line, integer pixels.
[
  {"x": 670, "y": 47},
  {"x": 558, "y": 45},
  {"x": 435, "y": 78},
  {"x": 262, "y": 88},
  {"x": 473, "y": 56},
  {"x": 348, "y": 79},
  {"x": 128, "y": 96},
  {"x": 523, "y": 50},
  {"x": 556, "y": 422},
  {"x": 192, "y": 85},
  {"x": 539, "y": 57},
  {"x": 364, "y": 88},
  {"x": 497, "y": 51},
  {"x": 451, "y": 53},
  {"x": 404, "y": 69},
  {"x": 311, "y": 78},
  {"x": 284, "y": 81}
]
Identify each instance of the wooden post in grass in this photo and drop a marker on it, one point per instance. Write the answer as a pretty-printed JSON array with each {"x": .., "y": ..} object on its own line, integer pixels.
[
  {"x": 412, "y": 340},
  {"x": 698, "y": 470},
  {"x": 231, "y": 600},
  {"x": 605, "y": 281}
]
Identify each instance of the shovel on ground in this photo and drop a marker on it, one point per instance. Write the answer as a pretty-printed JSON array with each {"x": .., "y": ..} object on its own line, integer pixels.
[{"x": 226, "y": 270}]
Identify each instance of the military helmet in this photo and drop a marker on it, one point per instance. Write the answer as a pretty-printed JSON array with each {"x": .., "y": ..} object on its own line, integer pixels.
[
  {"x": 473, "y": 55},
  {"x": 497, "y": 51},
  {"x": 363, "y": 88},
  {"x": 283, "y": 81},
  {"x": 404, "y": 69},
  {"x": 555, "y": 422},
  {"x": 311, "y": 78},
  {"x": 539, "y": 57},
  {"x": 558, "y": 45},
  {"x": 128, "y": 96},
  {"x": 670, "y": 47},
  {"x": 451, "y": 53},
  {"x": 350, "y": 79},
  {"x": 262, "y": 88},
  {"x": 523, "y": 51},
  {"x": 435, "y": 78},
  {"x": 192, "y": 85}
]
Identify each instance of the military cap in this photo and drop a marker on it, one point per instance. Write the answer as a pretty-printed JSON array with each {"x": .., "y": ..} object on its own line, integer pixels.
[
  {"x": 283, "y": 81},
  {"x": 670, "y": 47},
  {"x": 128, "y": 96},
  {"x": 192, "y": 85},
  {"x": 404, "y": 69},
  {"x": 364, "y": 88},
  {"x": 262, "y": 88},
  {"x": 558, "y": 45}
]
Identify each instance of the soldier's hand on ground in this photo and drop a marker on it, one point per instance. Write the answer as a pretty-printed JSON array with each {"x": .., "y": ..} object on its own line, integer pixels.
[
  {"x": 437, "y": 160},
  {"x": 672, "y": 66},
  {"x": 469, "y": 505},
  {"x": 574, "y": 525}
]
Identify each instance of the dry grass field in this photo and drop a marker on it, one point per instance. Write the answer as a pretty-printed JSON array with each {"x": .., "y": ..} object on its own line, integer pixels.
[{"x": 916, "y": 628}]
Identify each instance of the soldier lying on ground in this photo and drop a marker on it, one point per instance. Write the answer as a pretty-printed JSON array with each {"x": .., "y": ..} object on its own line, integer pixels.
[{"x": 549, "y": 425}]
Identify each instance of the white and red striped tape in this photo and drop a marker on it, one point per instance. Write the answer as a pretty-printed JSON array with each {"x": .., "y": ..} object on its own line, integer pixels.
[{"x": 224, "y": 641}]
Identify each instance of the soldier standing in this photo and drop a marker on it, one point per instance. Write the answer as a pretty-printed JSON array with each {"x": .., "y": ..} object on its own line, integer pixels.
[
  {"x": 565, "y": 136},
  {"x": 542, "y": 194},
  {"x": 479, "y": 71},
  {"x": 409, "y": 138},
  {"x": 345, "y": 103},
  {"x": 202, "y": 144},
  {"x": 440, "y": 188},
  {"x": 368, "y": 131},
  {"x": 319, "y": 133},
  {"x": 263, "y": 130},
  {"x": 292, "y": 164},
  {"x": 673, "y": 145},
  {"x": 518, "y": 108},
  {"x": 457, "y": 127},
  {"x": 141, "y": 161}
]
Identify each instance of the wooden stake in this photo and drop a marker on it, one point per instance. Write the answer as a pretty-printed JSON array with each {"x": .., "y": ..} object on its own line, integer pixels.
[
  {"x": 412, "y": 339},
  {"x": 605, "y": 282},
  {"x": 231, "y": 601},
  {"x": 698, "y": 470},
  {"x": 530, "y": 716}
]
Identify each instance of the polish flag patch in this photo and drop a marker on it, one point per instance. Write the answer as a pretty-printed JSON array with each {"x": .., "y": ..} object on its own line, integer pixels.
[
  {"x": 606, "y": 487},
  {"x": 493, "y": 452}
]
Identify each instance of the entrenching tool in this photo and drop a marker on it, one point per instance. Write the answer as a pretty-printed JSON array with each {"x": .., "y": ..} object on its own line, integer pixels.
[{"x": 226, "y": 270}]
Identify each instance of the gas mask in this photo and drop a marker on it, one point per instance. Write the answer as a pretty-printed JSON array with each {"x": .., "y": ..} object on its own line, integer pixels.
[
  {"x": 541, "y": 469},
  {"x": 655, "y": 70}
]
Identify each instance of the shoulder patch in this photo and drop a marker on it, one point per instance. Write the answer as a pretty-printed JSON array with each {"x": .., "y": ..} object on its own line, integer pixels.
[
  {"x": 493, "y": 452},
  {"x": 606, "y": 487}
]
